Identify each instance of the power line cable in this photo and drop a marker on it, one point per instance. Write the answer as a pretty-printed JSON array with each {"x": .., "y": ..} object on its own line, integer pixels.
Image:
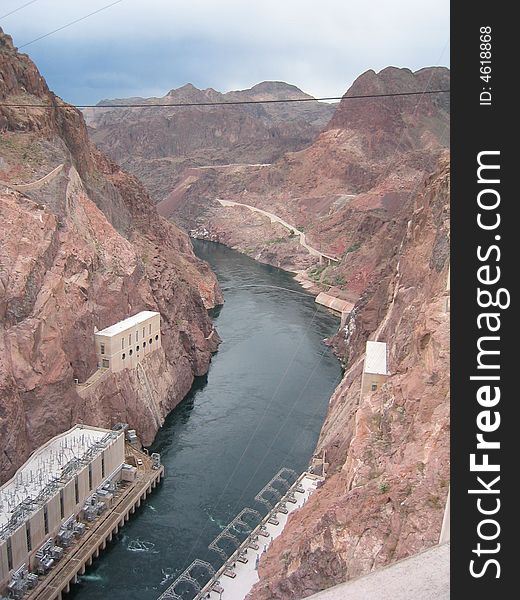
[
  {"x": 319, "y": 406},
  {"x": 15, "y": 10},
  {"x": 421, "y": 94},
  {"x": 41, "y": 37},
  {"x": 217, "y": 504},
  {"x": 251, "y": 437},
  {"x": 222, "y": 103}
]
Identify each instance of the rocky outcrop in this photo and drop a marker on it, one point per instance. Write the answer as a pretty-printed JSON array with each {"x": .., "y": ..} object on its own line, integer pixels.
[
  {"x": 344, "y": 188},
  {"x": 387, "y": 483},
  {"x": 81, "y": 249},
  {"x": 159, "y": 144}
]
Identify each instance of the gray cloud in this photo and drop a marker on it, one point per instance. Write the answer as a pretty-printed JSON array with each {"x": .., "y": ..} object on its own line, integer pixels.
[{"x": 142, "y": 48}]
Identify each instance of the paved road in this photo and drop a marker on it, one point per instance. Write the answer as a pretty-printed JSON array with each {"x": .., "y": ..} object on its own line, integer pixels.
[
  {"x": 232, "y": 165},
  {"x": 276, "y": 219},
  {"x": 23, "y": 187}
]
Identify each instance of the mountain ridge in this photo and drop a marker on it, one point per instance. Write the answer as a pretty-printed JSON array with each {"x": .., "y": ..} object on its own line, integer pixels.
[
  {"x": 157, "y": 145},
  {"x": 367, "y": 160}
]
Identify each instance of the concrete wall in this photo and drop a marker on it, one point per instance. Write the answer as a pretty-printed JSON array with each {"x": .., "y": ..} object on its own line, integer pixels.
[
  {"x": 97, "y": 477},
  {"x": 103, "y": 349},
  {"x": 423, "y": 576},
  {"x": 69, "y": 498},
  {"x": 54, "y": 512},
  {"x": 37, "y": 529},
  {"x": 83, "y": 485},
  {"x": 115, "y": 455},
  {"x": 370, "y": 379},
  {"x": 126, "y": 349},
  {"x": 4, "y": 568},
  {"x": 19, "y": 546}
]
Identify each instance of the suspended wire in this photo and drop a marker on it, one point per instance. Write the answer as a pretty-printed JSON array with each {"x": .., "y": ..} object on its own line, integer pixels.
[
  {"x": 266, "y": 451},
  {"x": 319, "y": 406},
  {"x": 41, "y": 37},
  {"x": 221, "y": 103},
  {"x": 262, "y": 286},
  {"x": 259, "y": 423},
  {"x": 179, "y": 104},
  {"x": 15, "y": 10}
]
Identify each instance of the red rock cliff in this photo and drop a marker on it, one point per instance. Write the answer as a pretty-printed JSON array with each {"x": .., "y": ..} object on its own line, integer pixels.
[
  {"x": 385, "y": 492},
  {"x": 79, "y": 249},
  {"x": 343, "y": 188}
]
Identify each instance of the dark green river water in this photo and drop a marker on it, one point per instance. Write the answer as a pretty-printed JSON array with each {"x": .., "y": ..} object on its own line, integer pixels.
[{"x": 259, "y": 408}]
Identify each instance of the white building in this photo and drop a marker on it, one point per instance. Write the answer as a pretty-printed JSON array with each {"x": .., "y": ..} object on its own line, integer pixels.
[
  {"x": 47, "y": 494},
  {"x": 124, "y": 344},
  {"x": 375, "y": 370}
]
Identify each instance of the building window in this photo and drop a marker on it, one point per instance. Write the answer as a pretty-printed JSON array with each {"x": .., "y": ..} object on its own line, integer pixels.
[
  {"x": 137, "y": 336},
  {"x": 137, "y": 349},
  {"x": 131, "y": 352},
  {"x": 62, "y": 505},
  {"x": 374, "y": 387},
  {"x": 122, "y": 343},
  {"x": 28, "y": 536},
  {"x": 156, "y": 337},
  {"x": 144, "y": 344},
  {"x": 151, "y": 341},
  {"x": 90, "y": 476},
  {"x": 103, "y": 465},
  {"x": 130, "y": 340},
  {"x": 150, "y": 329},
  {"x": 9, "y": 554},
  {"x": 124, "y": 356},
  {"x": 46, "y": 519},
  {"x": 143, "y": 333},
  {"x": 76, "y": 489},
  {"x": 102, "y": 348},
  {"x": 106, "y": 363}
]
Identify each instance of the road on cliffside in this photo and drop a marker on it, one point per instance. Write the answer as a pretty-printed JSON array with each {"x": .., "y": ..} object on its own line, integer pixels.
[{"x": 276, "y": 219}]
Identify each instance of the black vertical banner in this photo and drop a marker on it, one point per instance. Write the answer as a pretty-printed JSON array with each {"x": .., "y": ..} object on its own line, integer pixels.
[{"x": 483, "y": 329}]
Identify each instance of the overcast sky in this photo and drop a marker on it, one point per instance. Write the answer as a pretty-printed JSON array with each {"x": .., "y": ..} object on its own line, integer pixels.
[{"x": 147, "y": 47}]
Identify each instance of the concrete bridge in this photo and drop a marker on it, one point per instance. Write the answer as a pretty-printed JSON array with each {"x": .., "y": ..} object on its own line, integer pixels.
[{"x": 276, "y": 219}]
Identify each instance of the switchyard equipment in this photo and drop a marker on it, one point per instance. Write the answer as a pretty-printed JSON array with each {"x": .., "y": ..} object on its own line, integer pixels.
[
  {"x": 40, "y": 505},
  {"x": 21, "y": 582},
  {"x": 47, "y": 555},
  {"x": 156, "y": 460}
]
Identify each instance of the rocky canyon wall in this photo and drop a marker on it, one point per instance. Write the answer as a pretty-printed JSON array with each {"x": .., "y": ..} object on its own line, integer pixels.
[
  {"x": 159, "y": 145},
  {"x": 344, "y": 188},
  {"x": 81, "y": 249},
  {"x": 388, "y": 452}
]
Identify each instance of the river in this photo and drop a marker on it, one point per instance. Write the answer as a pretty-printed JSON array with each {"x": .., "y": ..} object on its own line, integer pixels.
[{"x": 259, "y": 408}]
